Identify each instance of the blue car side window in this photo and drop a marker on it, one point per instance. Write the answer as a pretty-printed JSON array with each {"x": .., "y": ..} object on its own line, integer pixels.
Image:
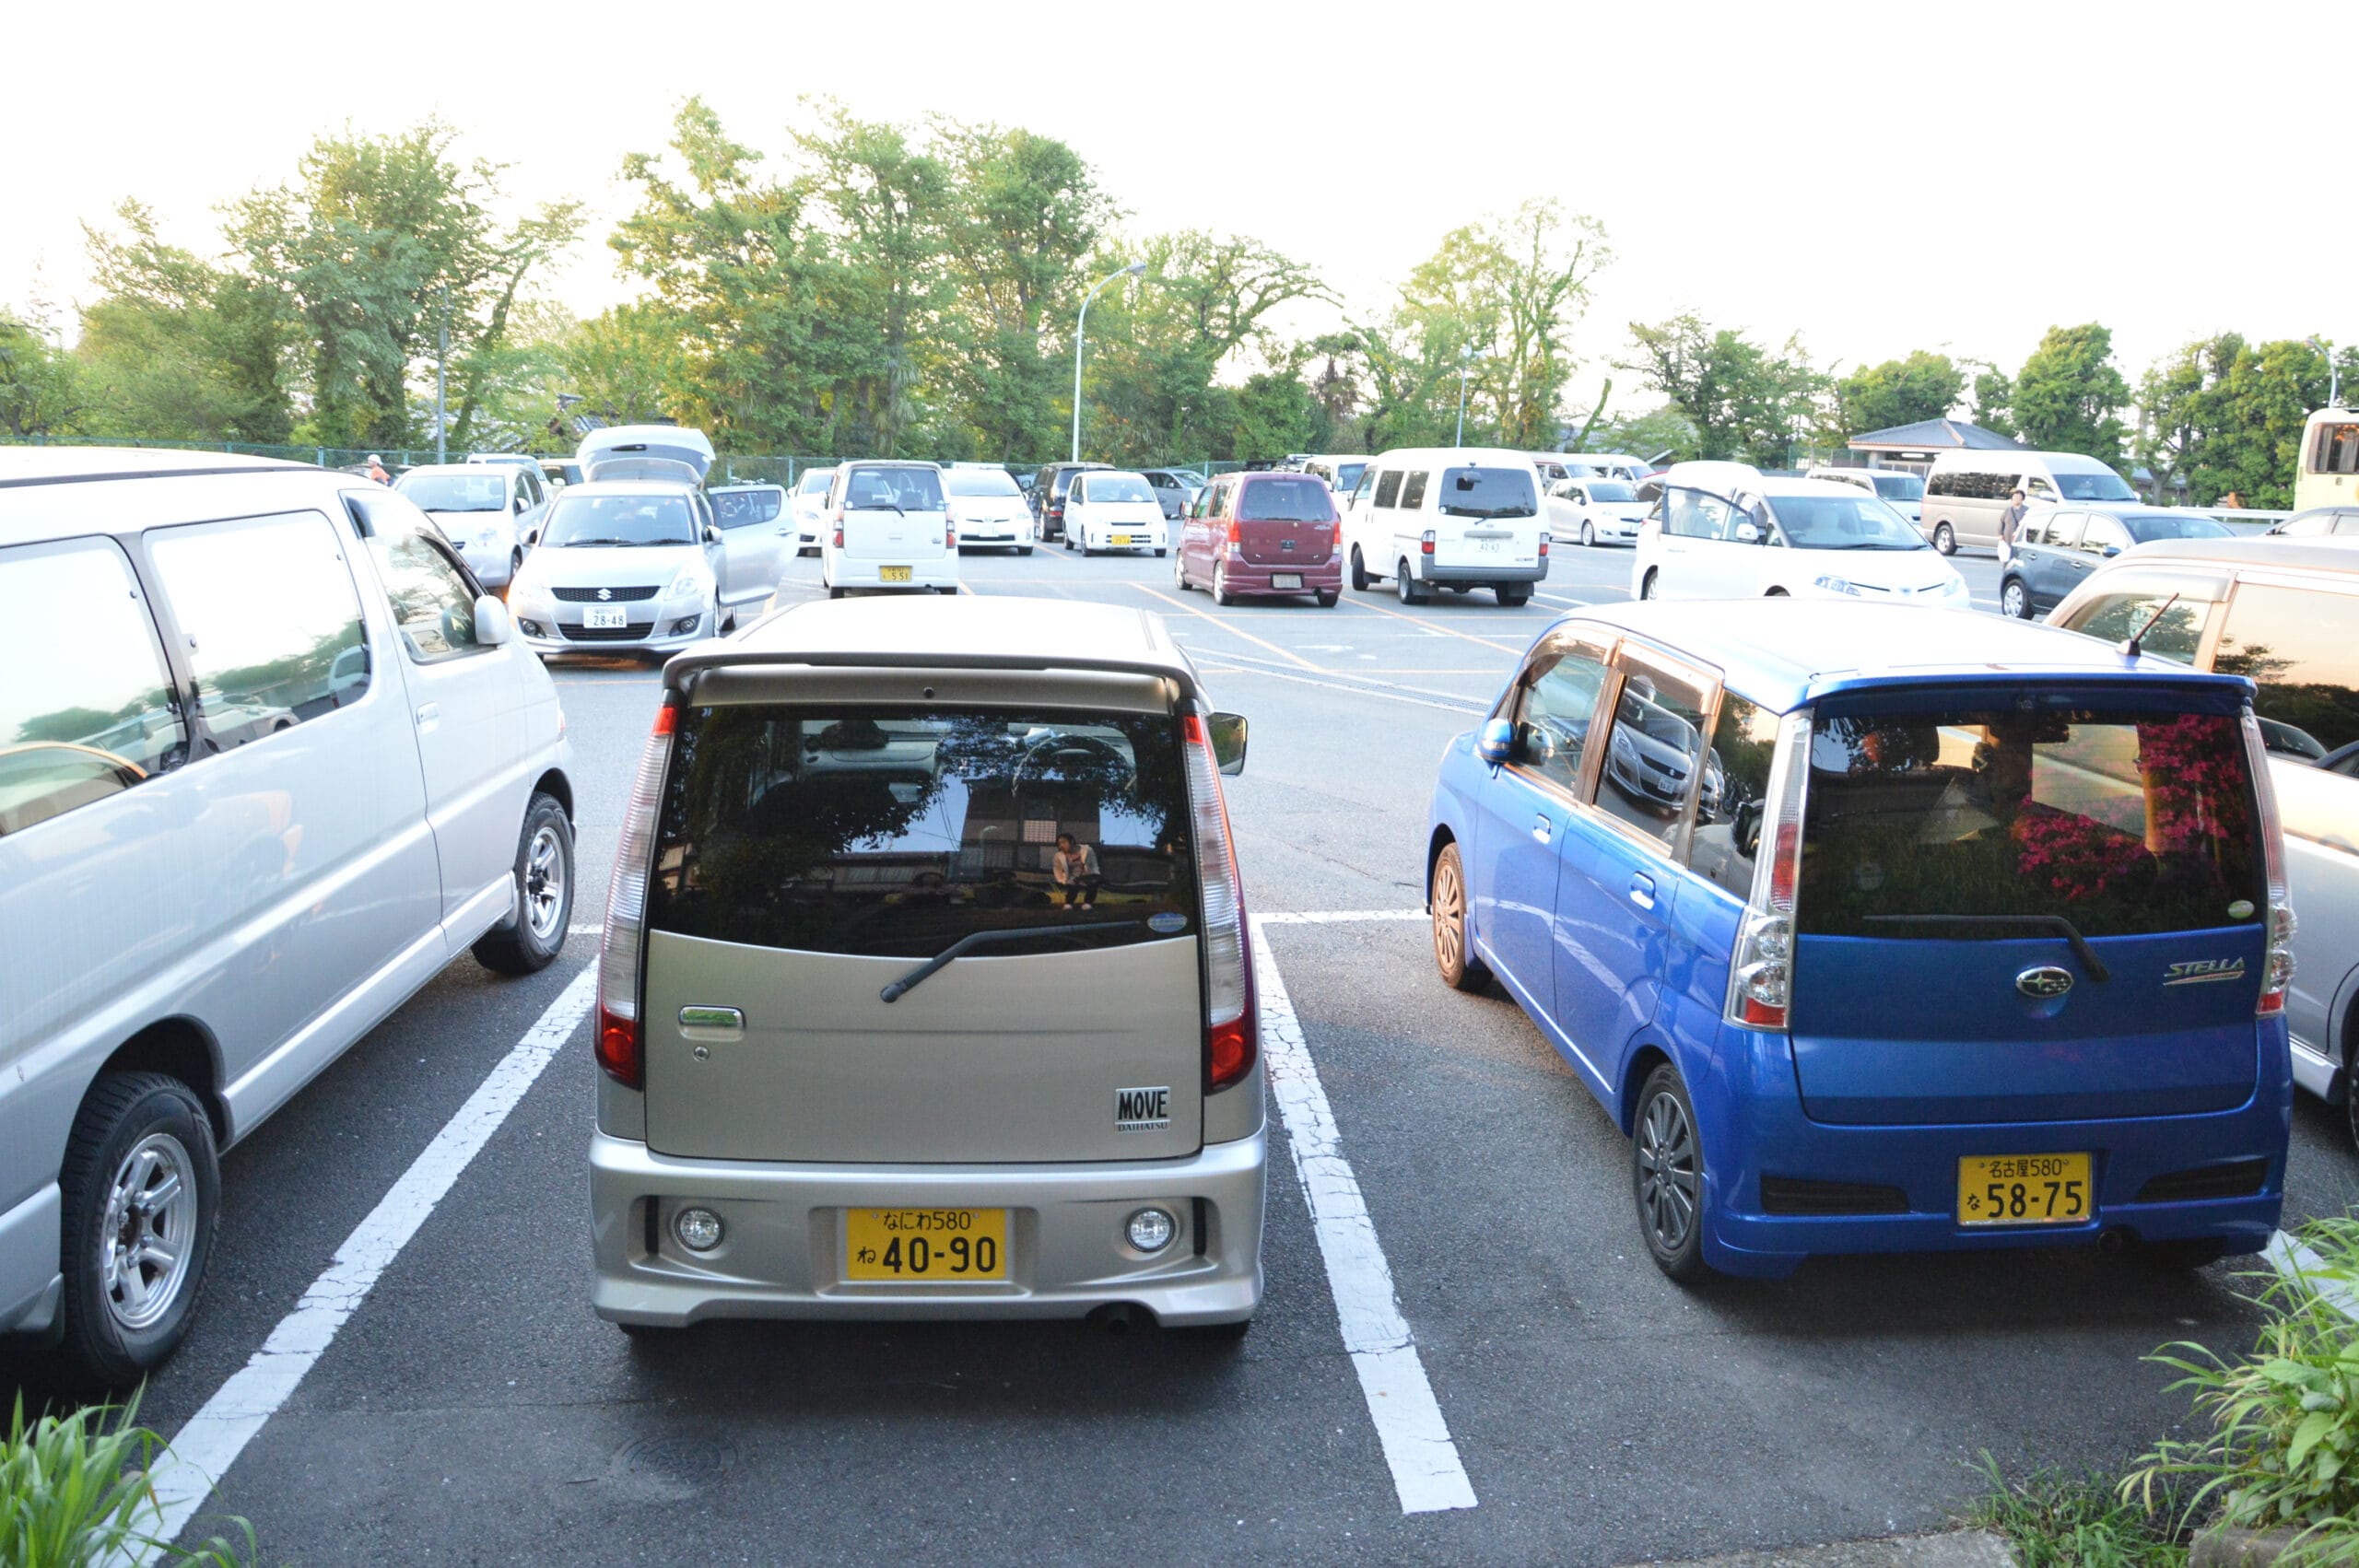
[
  {"x": 1650, "y": 753},
  {"x": 1553, "y": 710},
  {"x": 1729, "y": 807}
]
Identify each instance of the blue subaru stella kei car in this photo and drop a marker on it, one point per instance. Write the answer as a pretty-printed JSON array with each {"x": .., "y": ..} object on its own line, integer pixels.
[{"x": 1979, "y": 940}]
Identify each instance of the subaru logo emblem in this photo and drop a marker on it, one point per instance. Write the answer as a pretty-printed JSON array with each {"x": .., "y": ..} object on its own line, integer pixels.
[
  {"x": 605, "y": 593},
  {"x": 2045, "y": 981}
]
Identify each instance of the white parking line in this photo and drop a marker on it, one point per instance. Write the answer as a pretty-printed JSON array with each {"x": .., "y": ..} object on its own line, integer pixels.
[
  {"x": 1426, "y": 1473},
  {"x": 1338, "y": 916},
  {"x": 201, "y": 1453},
  {"x": 2296, "y": 1262}
]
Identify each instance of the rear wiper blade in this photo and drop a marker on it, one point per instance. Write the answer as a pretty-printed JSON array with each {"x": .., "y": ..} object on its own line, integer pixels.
[
  {"x": 2057, "y": 923},
  {"x": 958, "y": 949}
]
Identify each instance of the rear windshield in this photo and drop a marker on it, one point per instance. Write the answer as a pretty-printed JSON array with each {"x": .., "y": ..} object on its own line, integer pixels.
[
  {"x": 585, "y": 520},
  {"x": 1103, "y": 487},
  {"x": 883, "y": 489},
  {"x": 980, "y": 482},
  {"x": 1286, "y": 501},
  {"x": 1899, "y": 487},
  {"x": 456, "y": 492},
  {"x": 894, "y": 833},
  {"x": 1611, "y": 490},
  {"x": 1488, "y": 492},
  {"x": 2149, "y": 528},
  {"x": 2124, "y": 823}
]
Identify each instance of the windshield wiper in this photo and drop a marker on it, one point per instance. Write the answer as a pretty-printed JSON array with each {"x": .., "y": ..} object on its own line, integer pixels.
[
  {"x": 958, "y": 949},
  {"x": 1515, "y": 510},
  {"x": 2057, "y": 923}
]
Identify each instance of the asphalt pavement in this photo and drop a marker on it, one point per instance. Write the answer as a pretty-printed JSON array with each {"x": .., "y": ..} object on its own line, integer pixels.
[{"x": 471, "y": 1408}]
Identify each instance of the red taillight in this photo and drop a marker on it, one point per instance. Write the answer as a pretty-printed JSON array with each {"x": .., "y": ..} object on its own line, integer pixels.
[
  {"x": 840, "y": 535},
  {"x": 1543, "y": 546},
  {"x": 620, "y": 1039},
  {"x": 949, "y": 535},
  {"x": 1425, "y": 543},
  {"x": 1761, "y": 966},
  {"x": 1236, "y": 532},
  {"x": 2277, "y": 951},
  {"x": 1232, "y": 1031}
]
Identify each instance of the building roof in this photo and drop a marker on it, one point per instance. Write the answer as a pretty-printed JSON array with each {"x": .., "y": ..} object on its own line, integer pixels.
[
  {"x": 1784, "y": 652},
  {"x": 1935, "y": 435}
]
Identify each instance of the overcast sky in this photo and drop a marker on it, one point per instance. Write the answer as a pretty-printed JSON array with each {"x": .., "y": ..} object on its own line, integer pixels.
[{"x": 1877, "y": 177}]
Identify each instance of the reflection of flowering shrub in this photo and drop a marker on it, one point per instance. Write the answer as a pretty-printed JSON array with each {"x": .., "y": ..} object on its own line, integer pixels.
[{"x": 2193, "y": 770}]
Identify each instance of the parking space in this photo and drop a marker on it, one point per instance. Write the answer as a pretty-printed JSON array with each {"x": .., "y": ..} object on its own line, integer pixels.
[{"x": 472, "y": 1409}]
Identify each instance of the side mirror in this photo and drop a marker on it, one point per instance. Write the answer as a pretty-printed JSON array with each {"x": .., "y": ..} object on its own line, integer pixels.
[
  {"x": 2111, "y": 551},
  {"x": 492, "y": 626},
  {"x": 1747, "y": 535},
  {"x": 1748, "y": 829},
  {"x": 523, "y": 506},
  {"x": 1228, "y": 732},
  {"x": 1495, "y": 742},
  {"x": 531, "y": 537},
  {"x": 711, "y": 535}
]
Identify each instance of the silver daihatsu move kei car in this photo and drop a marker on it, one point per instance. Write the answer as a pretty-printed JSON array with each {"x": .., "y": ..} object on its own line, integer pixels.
[{"x": 925, "y": 990}]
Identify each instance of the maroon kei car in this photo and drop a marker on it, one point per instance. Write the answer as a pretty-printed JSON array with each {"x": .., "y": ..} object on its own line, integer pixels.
[{"x": 1262, "y": 536}]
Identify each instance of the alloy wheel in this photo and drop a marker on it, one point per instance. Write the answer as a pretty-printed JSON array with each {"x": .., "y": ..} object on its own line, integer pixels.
[
  {"x": 1667, "y": 1176},
  {"x": 1449, "y": 916},
  {"x": 2012, "y": 600},
  {"x": 149, "y": 1231},
  {"x": 1588, "y": 537},
  {"x": 545, "y": 882}
]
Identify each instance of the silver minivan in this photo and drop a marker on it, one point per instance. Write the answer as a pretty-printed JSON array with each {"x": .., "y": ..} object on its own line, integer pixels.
[
  {"x": 926, "y": 990},
  {"x": 269, "y": 760},
  {"x": 2285, "y": 614}
]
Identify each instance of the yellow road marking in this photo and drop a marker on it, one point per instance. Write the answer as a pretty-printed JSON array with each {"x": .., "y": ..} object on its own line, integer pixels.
[
  {"x": 1232, "y": 630},
  {"x": 1445, "y": 631}
]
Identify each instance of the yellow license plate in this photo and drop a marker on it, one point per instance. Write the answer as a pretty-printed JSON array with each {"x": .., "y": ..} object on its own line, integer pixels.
[
  {"x": 892, "y": 574},
  {"x": 2023, "y": 1189},
  {"x": 925, "y": 1244},
  {"x": 1121, "y": 539}
]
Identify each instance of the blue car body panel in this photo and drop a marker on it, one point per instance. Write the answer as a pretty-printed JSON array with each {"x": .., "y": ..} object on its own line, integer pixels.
[{"x": 1882, "y": 1081}]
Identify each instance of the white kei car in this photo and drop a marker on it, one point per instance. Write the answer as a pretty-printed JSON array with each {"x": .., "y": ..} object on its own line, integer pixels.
[
  {"x": 1722, "y": 531},
  {"x": 1590, "y": 512},
  {"x": 1111, "y": 508}
]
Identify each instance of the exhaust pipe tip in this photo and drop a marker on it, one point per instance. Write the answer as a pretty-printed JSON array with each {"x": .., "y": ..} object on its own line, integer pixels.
[{"x": 2112, "y": 1243}]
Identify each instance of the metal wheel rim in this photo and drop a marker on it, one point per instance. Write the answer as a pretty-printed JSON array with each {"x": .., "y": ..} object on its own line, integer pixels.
[
  {"x": 1449, "y": 908},
  {"x": 1667, "y": 1184},
  {"x": 1588, "y": 537},
  {"x": 148, "y": 1234},
  {"x": 2012, "y": 599},
  {"x": 1179, "y": 570},
  {"x": 1220, "y": 581},
  {"x": 545, "y": 882}
]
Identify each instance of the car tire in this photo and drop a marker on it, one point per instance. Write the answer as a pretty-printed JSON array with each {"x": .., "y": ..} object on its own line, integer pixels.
[
  {"x": 543, "y": 894},
  {"x": 1221, "y": 595},
  {"x": 1179, "y": 583},
  {"x": 136, "y": 1132},
  {"x": 1589, "y": 537},
  {"x": 1775, "y": 594},
  {"x": 515, "y": 564},
  {"x": 1361, "y": 581},
  {"x": 1667, "y": 1176},
  {"x": 1646, "y": 586},
  {"x": 835, "y": 593},
  {"x": 1944, "y": 538},
  {"x": 2014, "y": 599},
  {"x": 1512, "y": 598},
  {"x": 1446, "y": 900},
  {"x": 1327, "y": 599},
  {"x": 1160, "y": 554},
  {"x": 1224, "y": 1335},
  {"x": 1023, "y": 549},
  {"x": 1410, "y": 589}
]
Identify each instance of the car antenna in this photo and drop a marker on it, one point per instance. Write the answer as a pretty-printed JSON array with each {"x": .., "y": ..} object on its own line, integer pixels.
[{"x": 2135, "y": 643}]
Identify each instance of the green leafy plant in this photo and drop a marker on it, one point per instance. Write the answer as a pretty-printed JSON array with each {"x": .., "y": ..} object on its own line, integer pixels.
[
  {"x": 2284, "y": 1449},
  {"x": 2056, "y": 1520},
  {"x": 74, "y": 1492}
]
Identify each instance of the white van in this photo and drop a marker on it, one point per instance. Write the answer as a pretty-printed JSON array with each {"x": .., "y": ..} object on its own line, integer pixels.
[
  {"x": 1897, "y": 487},
  {"x": 1448, "y": 517},
  {"x": 1725, "y": 530},
  {"x": 1604, "y": 465},
  {"x": 1966, "y": 491},
  {"x": 269, "y": 759},
  {"x": 888, "y": 525}
]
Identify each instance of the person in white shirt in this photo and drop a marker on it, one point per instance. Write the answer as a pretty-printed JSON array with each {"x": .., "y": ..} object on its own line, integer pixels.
[{"x": 1075, "y": 867}]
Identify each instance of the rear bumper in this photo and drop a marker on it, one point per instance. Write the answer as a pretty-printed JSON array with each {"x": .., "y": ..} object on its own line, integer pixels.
[
  {"x": 1426, "y": 571},
  {"x": 853, "y": 572},
  {"x": 1769, "y": 1135},
  {"x": 783, "y": 1253},
  {"x": 1253, "y": 579}
]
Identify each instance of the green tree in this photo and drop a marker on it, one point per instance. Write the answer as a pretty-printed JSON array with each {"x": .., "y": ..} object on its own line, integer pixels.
[
  {"x": 627, "y": 366},
  {"x": 377, "y": 244},
  {"x": 40, "y": 389},
  {"x": 2227, "y": 415},
  {"x": 1994, "y": 396},
  {"x": 1744, "y": 400},
  {"x": 2068, "y": 395},
  {"x": 178, "y": 348},
  {"x": 1898, "y": 391}
]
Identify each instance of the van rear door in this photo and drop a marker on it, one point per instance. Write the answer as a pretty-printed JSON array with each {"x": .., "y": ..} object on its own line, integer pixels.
[
  {"x": 1486, "y": 516},
  {"x": 861, "y": 947},
  {"x": 2026, "y": 902},
  {"x": 1285, "y": 521},
  {"x": 895, "y": 513}
]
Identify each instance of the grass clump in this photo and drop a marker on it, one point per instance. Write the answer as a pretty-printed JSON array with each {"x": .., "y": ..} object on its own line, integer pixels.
[
  {"x": 74, "y": 1492},
  {"x": 2058, "y": 1520}
]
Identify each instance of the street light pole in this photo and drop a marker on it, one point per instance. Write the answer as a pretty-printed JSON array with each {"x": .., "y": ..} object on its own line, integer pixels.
[
  {"x": 441, "y": 354},
  {"x": 1465, "y": 363},
  {"x": 2333, "y": 373},
  {"x": 1133, "y": 270}
]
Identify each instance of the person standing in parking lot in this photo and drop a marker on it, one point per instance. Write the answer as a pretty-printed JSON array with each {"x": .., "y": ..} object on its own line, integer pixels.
[
  {"x": 377, "y": 470},
  {"x": 2010, "y": 522}
]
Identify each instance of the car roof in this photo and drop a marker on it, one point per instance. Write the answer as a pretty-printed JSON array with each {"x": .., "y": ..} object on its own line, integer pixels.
[
  {"x": 630, "y": 487},
  {"x": 1785, "y": 652},
  {"x": 968, "y": 631},
  {"x": 47, "y": 466},
  {"x": 2334, "y": 553},
  {"x": 469, "y": 467},
  {"x": 1456, "y": 454}
]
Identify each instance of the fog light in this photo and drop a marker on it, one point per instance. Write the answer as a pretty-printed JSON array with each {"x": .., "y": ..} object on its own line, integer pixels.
[
  {"x": 1150, "y": 1229},
  {"x": 686, "y": 625},
  {"x": 698, "y": 1229}
]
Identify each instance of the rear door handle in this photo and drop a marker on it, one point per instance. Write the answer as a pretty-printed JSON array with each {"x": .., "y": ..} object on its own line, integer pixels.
[
  {"x": 1642, "y": 891},
  {"x": 1541, "y": 829},
  {"x": 429, "y": 714}
]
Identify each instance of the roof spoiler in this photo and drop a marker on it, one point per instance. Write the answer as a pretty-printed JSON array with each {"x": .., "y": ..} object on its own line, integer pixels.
[{"x": 680, "y": 673}]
